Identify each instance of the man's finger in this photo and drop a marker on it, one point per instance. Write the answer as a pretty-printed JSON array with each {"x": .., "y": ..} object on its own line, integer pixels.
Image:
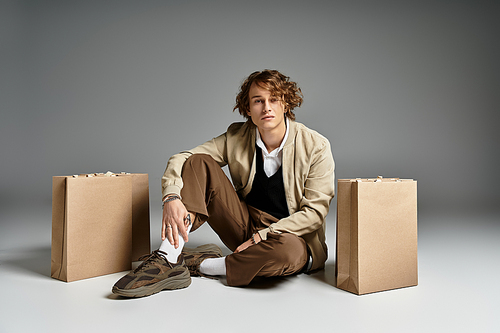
[
  {"x": 175, "y": 236},
  {"x": 168, "y": 231},
  {"x": 184, "y": 233},
  {"x": 184, "y": 230}
]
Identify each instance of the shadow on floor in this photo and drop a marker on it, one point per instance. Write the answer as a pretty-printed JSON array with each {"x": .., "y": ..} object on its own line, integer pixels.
[
  {"x": 263, "y": 283},
  {"x": 36, "y": 260},
  {"x": 259, "y": 283},
  {"x": 326, "y": 275}
]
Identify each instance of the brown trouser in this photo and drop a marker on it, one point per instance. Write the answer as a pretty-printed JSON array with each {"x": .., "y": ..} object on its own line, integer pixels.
[{"x": 209, "y": 194}]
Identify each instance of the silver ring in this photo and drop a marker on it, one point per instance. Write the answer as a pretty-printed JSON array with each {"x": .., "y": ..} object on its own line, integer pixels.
[{"x": 169, "y": 226}]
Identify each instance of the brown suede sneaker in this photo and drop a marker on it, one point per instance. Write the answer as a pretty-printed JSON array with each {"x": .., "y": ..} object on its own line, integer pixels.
[
  {"x": 155, "y": 274},
  {"x": 194, "y": 257}
]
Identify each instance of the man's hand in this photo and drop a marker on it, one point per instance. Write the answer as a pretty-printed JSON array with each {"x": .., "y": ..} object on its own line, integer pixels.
[
  {"x": 255, "y": 239},
  {"x": 174, "y": 215}
]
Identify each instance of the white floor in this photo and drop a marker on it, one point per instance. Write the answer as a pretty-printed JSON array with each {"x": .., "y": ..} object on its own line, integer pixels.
[{"x": 458, "y": 289}]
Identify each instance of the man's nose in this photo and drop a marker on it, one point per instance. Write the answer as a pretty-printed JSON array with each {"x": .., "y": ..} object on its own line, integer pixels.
[{"x": 267, "y": 106}]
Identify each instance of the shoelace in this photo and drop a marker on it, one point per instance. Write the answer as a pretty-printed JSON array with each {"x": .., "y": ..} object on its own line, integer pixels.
[{"x": 157, "y": 254}]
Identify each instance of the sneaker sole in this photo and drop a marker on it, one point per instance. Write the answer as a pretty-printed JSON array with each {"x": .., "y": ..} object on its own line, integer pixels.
[{"x": 177, "y": 282}]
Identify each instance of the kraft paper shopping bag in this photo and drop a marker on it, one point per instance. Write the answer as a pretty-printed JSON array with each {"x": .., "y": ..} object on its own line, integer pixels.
[
  {"x": 100, "y": 224},
  {"x": 376, "y": 234}
]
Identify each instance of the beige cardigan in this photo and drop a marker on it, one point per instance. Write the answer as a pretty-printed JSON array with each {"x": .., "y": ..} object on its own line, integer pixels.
[{"x": 308, "y": 176}]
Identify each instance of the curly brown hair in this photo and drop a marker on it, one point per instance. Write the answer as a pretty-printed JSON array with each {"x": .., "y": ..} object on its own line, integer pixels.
[{"x": 278, "y": 84}]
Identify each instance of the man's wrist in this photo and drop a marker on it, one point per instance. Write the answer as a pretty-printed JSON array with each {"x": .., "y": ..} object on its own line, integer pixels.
[
  {"x": 169, "y": 198},
  {"x": 255, "y": 238}
]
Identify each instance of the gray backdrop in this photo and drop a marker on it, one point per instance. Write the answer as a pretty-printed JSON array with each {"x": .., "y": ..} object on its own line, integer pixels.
[{"x": 400, "y": 88}]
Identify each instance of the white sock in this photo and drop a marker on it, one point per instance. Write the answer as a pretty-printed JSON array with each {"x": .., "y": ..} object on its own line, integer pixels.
[
  {"x": 172, "y": 252},
  {"x": 213, "y": 266}
]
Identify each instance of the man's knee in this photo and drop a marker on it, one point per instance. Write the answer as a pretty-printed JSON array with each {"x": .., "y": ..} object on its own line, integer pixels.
[
  {"x": 197, "y": 159},
  {"x": 288, "y": 248},
  {"x": 204, "y": 166}
]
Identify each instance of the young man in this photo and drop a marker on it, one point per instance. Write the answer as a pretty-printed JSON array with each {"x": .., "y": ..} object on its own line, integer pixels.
[{"x": 272, "y": 219}]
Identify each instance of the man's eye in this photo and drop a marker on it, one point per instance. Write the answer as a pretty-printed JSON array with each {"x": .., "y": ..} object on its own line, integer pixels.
[{"x": 257, "y": 101}]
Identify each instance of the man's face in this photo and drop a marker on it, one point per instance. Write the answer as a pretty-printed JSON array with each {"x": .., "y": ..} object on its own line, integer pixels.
[{"x": 267, "y": 111}]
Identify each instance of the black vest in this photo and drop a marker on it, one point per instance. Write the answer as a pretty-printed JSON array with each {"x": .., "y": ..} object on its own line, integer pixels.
[{"x": 268, "y": 194}]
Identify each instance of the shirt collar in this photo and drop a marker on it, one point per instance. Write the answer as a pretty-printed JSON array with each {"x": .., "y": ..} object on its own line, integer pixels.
[{"x": 262, "y": 146}]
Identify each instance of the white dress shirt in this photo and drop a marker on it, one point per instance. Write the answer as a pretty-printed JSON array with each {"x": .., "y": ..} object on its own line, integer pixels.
[{"x": 272, "y": 160}]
